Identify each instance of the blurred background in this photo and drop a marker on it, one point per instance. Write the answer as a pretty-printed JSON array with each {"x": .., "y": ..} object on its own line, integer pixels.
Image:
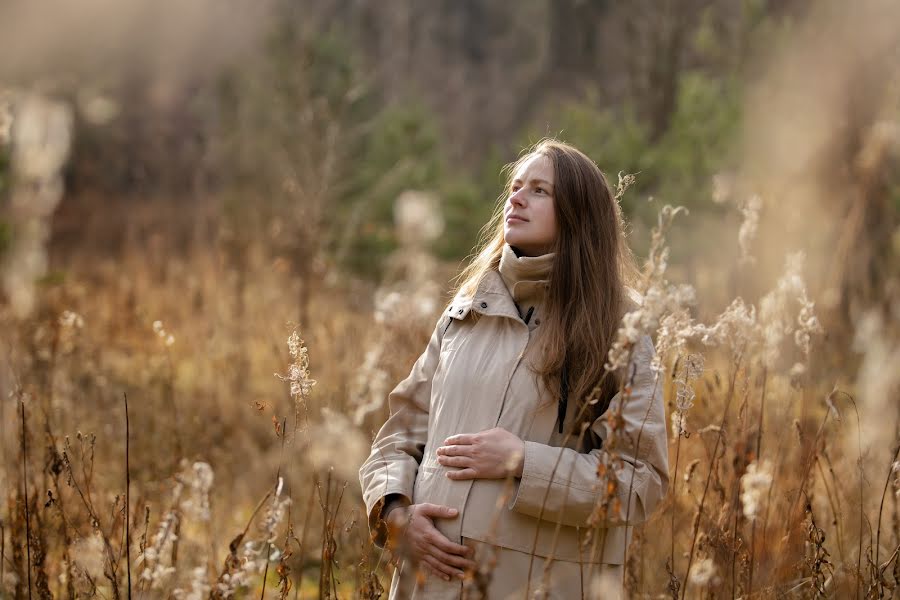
[{"x": 185, "y": 184}]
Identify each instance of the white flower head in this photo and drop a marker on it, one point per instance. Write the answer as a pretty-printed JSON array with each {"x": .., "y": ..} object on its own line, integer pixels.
[
  {"x": 157, "y": 556},
  {"x": 736, "y": 327},
  {"x": 389, "y": 307},
  {"x": 71, "y": 320},
  {"x": 684, "y": 396},
  {"x": 775, "y": 310},
  {"x": 97, "y": 109},
  {"x": 807, "y": 325},
  {"x": 693, "y": 365},
  {"x": 895, "y": 471},
  {"x": 418, "y": 217},
  {"x": 198, "y": 478},
  {"x": 6, "y": 117},
  {"x": 663, "y": 310},
  {"x": 755, "y": 485},
  {"x": 90, "y": 554},
  {"x": 41, "y": 137},
  {"x": 691, "y": 369},
  {"x": 370, "y": 385},
  {"x": 679, "y": 423},
  {"x": 298, "y": 371},
  {"x": 626, "y": 180},
  {"x": 703, "y": 573},
  {"x": 722, "y": 187},
  {"x": 199, "y": 589},
  {"x": 295, "y": 344},
  {"x": 675, "y": 328},
  {"x": 747, "y": 232},
  {"x": 275, "y": 513}
]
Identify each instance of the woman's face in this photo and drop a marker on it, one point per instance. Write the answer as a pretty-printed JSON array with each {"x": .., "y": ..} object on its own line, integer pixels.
[{"x": 529, "y": 218}]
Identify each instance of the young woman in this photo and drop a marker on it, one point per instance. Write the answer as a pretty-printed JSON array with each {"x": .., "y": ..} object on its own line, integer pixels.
[{"x": 497, "y": 438}]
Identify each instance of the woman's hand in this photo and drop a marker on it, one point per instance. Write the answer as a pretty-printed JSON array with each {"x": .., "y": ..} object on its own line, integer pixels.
[
  {"x": 491, "y": 454},
  {"x": 427, "y": 546}
]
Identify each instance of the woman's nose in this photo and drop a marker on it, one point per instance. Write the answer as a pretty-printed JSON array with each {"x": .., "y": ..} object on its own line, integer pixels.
[{"x": 516, "y": 198}]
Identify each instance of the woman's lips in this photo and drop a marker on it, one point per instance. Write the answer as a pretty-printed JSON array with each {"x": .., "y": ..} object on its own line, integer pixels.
[{"x": 515, "y": 219}]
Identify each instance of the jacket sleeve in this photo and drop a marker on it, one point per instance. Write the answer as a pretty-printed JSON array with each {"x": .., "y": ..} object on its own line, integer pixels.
[
  {"x": 566, "y": 483},
  {"x": 399, "y": 445}
]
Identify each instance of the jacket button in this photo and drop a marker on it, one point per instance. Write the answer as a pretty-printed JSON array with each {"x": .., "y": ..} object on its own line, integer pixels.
[
  {"x": 484, "y": 305},
  {"x": 459, "y": 312},
  {"x": 537, "y": 321}
]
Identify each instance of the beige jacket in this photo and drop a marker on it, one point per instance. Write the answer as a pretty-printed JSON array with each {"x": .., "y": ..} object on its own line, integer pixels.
[{"x": 474, "y": 375}]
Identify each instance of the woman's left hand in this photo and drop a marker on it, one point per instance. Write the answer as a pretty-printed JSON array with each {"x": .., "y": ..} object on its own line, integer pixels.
[{"x": 491, "y": 454}]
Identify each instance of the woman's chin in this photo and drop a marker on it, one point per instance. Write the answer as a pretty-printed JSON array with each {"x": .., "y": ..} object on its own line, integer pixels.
[{"x": 511, "y": 238}]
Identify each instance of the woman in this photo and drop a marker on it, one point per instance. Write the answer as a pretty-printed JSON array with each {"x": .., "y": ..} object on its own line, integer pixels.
[{"x": 489, "y": 461}]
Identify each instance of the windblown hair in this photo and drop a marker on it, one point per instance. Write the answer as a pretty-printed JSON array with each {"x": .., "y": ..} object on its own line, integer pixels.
[{"x": 591, "y": 271}]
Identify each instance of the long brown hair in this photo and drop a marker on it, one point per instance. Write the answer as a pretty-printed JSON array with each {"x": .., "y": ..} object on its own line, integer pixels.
[{"x": 593, "y": 265}]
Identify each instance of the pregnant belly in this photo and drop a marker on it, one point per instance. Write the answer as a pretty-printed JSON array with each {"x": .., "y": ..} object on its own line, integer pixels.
[{"x": 433, "y": 486}]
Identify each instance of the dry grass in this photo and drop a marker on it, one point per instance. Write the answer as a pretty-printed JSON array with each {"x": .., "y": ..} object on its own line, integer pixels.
[{"x": 238, "y": 486}]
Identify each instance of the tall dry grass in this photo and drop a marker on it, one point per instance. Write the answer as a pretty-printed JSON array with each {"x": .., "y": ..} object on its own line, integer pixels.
[{"x": 223, "y": 480}]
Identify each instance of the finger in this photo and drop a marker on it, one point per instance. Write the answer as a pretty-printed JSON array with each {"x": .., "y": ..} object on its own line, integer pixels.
[
  {"x": 462, "y": 474},
  {"x": 444, "y": 571},
  {"x": 442, "y": 543},
  {"x": 433, "y": 538},
  {"x": 455, "y": 461},
  {"x": 461, "y": 438},
  {"x": 437, "y": 510},
  {"x": 454, "y": 560},
  {"x": 454, "y": 451},
  {"x": 424, "y": 566}
]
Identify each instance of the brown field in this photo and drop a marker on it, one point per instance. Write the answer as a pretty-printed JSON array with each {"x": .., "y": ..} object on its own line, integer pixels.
[
  {"x": 768, "y": 497},
  {"x": 225, "y": 236}
]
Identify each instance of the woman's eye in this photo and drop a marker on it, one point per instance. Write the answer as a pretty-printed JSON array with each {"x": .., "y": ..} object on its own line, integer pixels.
[{"x": 540, "y": 190}]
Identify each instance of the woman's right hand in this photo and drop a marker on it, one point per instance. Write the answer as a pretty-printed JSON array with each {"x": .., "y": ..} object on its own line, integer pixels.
[{"x": 426, "y": 545}]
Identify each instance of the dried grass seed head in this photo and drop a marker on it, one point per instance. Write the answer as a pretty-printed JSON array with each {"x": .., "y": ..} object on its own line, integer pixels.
[{"x": 755, "y": 484}]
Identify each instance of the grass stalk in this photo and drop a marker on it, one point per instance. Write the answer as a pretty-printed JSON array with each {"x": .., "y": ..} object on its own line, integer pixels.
[
  {"x": 712, "y": 466},
  {"x": 24, "y": 448},
  {"x": 262, "y": 593},
  {"x": 887, "y": 483},
  {"x": 759, "y": 433},
  {"x": 127, "y": 495}
]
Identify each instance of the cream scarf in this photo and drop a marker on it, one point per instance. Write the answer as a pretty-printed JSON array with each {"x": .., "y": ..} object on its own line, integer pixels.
[{"x": 527, "y": 279}]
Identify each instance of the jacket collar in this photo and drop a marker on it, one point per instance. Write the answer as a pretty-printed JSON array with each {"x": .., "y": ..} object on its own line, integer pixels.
[
  {"x": 526, "y": 277},
  {"x": 491, "y": 298}
]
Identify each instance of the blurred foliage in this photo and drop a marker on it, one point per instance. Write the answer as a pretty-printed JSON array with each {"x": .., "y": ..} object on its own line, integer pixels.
[
  {"x": 305, "y": 143},
  {"x": 4, "y": 170},
  {"x": 400, "y": 151},
  {"x": 5, "y": 237},
  {"x": 286, "y": 122},
  {"x": 467, "y": 206},
  {"x": 312, "y": 132},
  {"x": 405, "y": 139},
  {"x": 403, "y": 151},
  {"x": 679, "y": 167},
  {"x": 700, "y": 140},
  {"x": 5, "y": 227}
]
